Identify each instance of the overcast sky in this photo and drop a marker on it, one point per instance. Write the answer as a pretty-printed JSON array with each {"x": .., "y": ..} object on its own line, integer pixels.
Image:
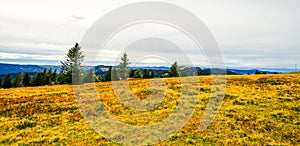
[{"x": 256, "y": 33}]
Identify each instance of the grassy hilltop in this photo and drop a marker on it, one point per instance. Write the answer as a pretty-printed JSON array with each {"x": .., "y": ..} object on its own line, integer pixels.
[{"x": 256, "y": 110}]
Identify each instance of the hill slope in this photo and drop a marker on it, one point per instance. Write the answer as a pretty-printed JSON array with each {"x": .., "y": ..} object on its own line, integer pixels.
[{"x": 257, "y": 110}]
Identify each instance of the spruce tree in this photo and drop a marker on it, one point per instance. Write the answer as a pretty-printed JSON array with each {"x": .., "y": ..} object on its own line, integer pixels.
[
  {"x": 27, "y": 79},
  {"x": 54, "y": 77},
  {"x": 18, "y": 82},
  {"x": 62, "y": 77},
  {"x": 49, "y": 77},
  {"x": 146, "y": 74},
  {"x": 8, "y": 82},
  {"x": 91, "y": 77},
  {"x": 131, "y": 74},
  {"x": 108, "y": 74},
  {"x": 124, "y": 67},
  {"x": 99, "y": 78},
  {"x": 115, "y": 76},
  {"x": 151, "y": 74},
  {"x": 45, "y": 77},
  {"x": 38, "y": 79},
  {"x": 137, "y": 74},
  {"x": 50, "y": 72},
  {"x": 257, "y": 72},
  {"x": 174, "y": 70},
  {"x": 72, "y": 71}
]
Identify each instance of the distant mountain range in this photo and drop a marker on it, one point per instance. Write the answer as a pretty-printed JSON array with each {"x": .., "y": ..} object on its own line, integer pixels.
[{"x": 17, "y": 68}]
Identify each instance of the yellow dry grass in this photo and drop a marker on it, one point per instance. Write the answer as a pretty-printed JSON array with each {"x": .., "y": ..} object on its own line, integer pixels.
[{"x": 256, "y": 110}]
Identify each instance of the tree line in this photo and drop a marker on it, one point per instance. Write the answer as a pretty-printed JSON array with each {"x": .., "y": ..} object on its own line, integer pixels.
[
  {"x": 47, "y": 77},
  {"x": 72, "y": 72}
]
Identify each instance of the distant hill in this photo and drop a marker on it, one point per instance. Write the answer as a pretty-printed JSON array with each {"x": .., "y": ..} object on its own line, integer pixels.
[
  {"x": 152, "y": 67},
  {"x": 17, "y": 68},
  {"x": 251, "y": 71}
]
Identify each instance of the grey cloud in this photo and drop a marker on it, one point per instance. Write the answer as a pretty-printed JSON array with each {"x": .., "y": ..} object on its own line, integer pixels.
[
  {"x": 253, "y": 33},
  {"x": 77, "y": 18}
]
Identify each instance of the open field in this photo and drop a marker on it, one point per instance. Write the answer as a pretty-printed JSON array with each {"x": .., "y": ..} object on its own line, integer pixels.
[{"x": 256, "y": 110}]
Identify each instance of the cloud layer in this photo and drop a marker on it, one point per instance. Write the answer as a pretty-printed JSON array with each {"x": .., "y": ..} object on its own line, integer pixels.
[{"x": 258, "y": 33}]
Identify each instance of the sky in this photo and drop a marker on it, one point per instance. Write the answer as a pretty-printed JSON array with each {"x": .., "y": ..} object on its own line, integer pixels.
[{"x": 256, "y": 33}]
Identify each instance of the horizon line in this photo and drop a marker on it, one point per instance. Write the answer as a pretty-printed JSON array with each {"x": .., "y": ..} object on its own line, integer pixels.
[{"x": 201, "y": 66}]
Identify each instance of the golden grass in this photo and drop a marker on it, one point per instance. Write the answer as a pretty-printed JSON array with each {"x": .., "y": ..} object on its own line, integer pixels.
[{"x": 256, "y": 110}]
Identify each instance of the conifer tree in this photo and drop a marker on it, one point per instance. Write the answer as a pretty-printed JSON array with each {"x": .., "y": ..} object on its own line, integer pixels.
[
  {"x": 54, "y": 77},
  {"x": 72, "y": 71},
  {"x": 115, "y": 76},
  {"x": 124, "y": 67},
  {"x": 151, "y": 74},
  {"x": 27, "y": 79},
  {"x": 91, "y": 77},
  {"x": 45, "y": 77},
  {"x": 49, "y": 77},
  {"x": 146, "y": 74},
  {"x": 131, "y": 74},
  {"x": 137, "y": 74},
  {"x": 18, "y": 82},
  {"x": 8, "y": 82},
  {"x": 108, "y": 74},
  {"x": 174, "y": 70},
  {"x": 99, "y": 78},
  {"x": 38, "y": 81},
  {"x": 257, "y": 72}
]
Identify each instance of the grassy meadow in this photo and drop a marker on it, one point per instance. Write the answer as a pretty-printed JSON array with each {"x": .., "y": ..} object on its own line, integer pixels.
[{"x": 256, "y": 110}]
